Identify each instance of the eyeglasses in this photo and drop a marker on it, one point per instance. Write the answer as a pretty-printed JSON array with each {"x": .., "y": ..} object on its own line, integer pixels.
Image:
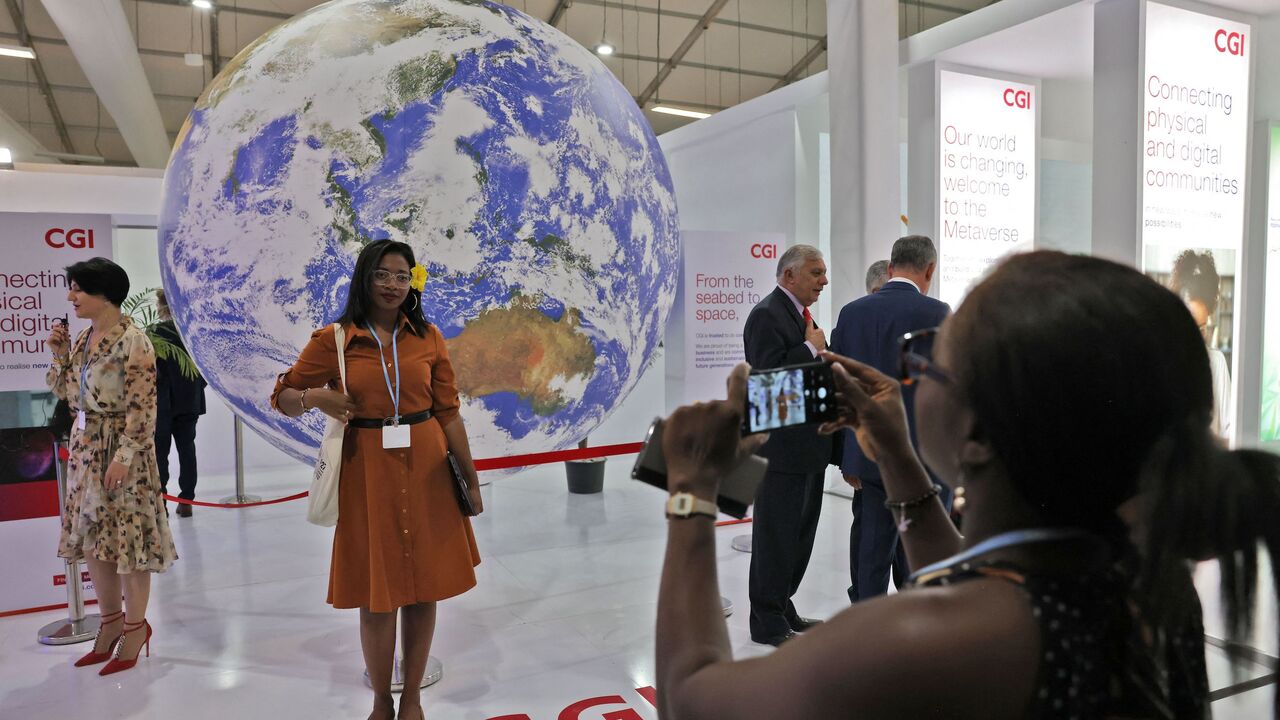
[
  {"x": 917, "y": 358},
  {"x": 386, "y": 277}
]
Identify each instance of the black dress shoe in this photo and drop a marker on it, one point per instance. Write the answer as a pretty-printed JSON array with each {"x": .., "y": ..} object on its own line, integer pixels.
[
  {"x": 800, "y": 624},
  {"x": 774, "y": 640},
  {"x": 184, "y": 510}
]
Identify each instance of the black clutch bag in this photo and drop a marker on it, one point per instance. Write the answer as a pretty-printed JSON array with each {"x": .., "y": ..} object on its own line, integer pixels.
[
  {"x": 61, "y": 421},
  {"x": 464, "y": 488}
]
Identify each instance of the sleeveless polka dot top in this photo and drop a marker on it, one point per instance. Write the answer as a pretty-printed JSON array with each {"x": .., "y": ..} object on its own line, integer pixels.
[{"x": 1099, "y": 659}]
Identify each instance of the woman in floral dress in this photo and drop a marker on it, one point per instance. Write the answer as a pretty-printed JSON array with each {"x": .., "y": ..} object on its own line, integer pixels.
[{"x": 115, "y": 519}]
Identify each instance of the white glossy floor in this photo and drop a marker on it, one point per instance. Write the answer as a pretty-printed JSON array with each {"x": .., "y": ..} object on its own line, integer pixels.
[{"x": 564, "y": 612}]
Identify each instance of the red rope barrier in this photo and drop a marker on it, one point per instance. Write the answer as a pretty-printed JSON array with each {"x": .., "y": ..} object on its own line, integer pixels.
[
  {"x": 501, "y": 463},
  {"x": 726, "y": 523},
  {"x": 544, "y": 458},
  {"x": 182, "y": 501}
]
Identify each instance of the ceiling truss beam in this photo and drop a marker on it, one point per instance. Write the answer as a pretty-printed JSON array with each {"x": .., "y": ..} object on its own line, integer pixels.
[
  {"x": 678, "y": 55},
  {"x": 224, "y": 8},
  {"x": 701, "y": 66},
  {"x": 42, "y": 80},
  {"x": 614, "y": 5},
  {"x": 561, "y": 7},
  {"x": 814, "y": 53}
]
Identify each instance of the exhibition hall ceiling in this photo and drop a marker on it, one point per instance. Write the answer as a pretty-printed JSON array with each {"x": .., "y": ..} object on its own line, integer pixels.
[{"x": 749, "y": 48}]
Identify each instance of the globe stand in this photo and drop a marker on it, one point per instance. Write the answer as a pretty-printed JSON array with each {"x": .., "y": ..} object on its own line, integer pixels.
[
  {"x": 435, "y": 671},
  {"x": 240, "y": 498}
]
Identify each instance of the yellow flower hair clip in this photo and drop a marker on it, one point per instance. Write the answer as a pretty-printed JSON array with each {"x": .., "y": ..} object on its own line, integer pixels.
[{"x": 418, "y": 279}]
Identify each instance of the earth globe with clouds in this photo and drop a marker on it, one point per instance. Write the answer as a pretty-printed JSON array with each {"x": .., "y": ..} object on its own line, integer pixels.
[{"x": 513, "y": 162}]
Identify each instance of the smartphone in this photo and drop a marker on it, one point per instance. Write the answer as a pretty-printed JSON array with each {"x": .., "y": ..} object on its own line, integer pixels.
[
  {"x": 737, "y": 490},
  {"x": 789, "y": 397}
]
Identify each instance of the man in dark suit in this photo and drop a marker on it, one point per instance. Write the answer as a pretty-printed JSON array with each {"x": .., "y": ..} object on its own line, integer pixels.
[
  {"x": 780, "y": 331},
  {"x": 179, "y": 404},
  {"x": 869, "y": 330}
]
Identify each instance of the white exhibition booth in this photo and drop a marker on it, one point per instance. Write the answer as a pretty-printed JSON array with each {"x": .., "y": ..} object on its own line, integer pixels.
[{"x": 1021, "y": 125}]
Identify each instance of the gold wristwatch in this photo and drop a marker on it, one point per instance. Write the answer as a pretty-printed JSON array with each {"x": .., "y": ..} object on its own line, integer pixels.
[{"x": 685, "y": 505}]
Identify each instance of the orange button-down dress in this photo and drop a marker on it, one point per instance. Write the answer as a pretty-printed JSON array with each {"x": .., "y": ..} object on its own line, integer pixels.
[{"x": 401, "y": 537}]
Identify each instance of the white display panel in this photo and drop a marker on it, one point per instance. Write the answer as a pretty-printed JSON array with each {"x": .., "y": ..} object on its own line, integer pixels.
[
  {"x": 1195, "y": 142},
  {"x": 986, "y": 176},
  {"x": 1269, "y": 428},
  {"x": 1195, "y": 129},
  {"x": 725, "y": 275}
]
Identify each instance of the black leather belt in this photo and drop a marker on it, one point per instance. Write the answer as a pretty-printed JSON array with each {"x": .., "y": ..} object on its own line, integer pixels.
[{"x": 411, "y": 419}]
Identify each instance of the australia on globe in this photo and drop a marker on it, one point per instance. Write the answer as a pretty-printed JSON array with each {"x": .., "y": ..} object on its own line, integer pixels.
[{"x": 508, "y": 156}]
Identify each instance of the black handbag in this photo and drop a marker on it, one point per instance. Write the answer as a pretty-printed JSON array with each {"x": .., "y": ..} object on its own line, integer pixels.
[
  {"x": 464, "y": 487},
  {"x": 61, "y": 421}
]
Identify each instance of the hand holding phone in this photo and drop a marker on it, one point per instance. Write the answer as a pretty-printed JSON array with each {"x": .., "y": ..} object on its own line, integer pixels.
[
  {"x": 736, "y": 490},
  {"x": 705, "y": 452},
  {"x": 59, "y": 341},
  {"x": 789, "y": 396}
]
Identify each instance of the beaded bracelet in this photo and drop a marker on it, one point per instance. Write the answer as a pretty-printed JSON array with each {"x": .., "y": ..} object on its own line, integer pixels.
[{"x": 902, "y": 507}]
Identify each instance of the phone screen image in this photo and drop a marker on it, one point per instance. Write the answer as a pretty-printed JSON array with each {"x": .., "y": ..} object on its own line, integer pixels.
[{"x": 789, "y": 396}]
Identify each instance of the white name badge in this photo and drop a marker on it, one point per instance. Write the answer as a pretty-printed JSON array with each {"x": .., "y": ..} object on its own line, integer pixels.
[
  {"x": 395, "y": 436},
  {"x": 80, "y": 420}
]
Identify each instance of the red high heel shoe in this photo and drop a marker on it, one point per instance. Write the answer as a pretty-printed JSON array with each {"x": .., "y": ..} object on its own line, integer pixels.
[
  {"x": 119, "y": 664},
  {"x": 94, "y": 657}
]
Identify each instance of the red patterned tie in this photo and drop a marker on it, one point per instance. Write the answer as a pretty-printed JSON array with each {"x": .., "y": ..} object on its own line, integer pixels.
[{"x": 808, "y": 319}]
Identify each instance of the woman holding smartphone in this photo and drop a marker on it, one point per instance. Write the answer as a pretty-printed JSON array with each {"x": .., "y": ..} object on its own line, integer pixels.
[
  {"x": 1070, "y": 593},
  {"x": 115, "y": 519},
  {"x": 402, "y": 542}
]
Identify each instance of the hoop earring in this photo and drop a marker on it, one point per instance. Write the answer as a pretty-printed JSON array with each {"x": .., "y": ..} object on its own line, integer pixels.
[{"x": 415, "y": 302}]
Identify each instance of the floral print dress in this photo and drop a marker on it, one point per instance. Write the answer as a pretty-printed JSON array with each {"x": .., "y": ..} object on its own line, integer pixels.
[{"x": 128, "y": 526}]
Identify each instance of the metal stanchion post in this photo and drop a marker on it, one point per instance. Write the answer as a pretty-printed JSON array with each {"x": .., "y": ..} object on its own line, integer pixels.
[
  {"x": 435, "y": 671},
  {"x": 78, "y": 627},
  {"x": 741, "y": 543},
  {"x": 240, "y": 498}
]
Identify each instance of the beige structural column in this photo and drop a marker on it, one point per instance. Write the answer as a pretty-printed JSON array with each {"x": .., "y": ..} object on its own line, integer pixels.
[
  {"x": 862, "y": 56},
  {"x": 99, "y": 35}
]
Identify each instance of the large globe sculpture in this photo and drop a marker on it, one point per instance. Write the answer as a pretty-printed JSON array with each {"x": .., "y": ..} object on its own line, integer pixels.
[{"x": 518, "y": 168}]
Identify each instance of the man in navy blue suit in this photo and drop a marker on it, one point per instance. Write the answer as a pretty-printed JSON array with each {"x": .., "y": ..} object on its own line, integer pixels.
[
  {"x": 869, "y": 330},
  {"x": 781, "y": 331}
]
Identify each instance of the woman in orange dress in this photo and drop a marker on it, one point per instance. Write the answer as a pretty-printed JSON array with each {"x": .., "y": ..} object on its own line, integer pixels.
[{"x": 402, "y": 542}]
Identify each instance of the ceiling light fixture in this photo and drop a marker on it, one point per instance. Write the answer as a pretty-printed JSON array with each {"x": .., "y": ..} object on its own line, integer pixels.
[
  {"x": 73, "y": 157},
  {"x": 18, "y": 51},
  {"x": 605, "y": 49},
  {"x": 202, "y": 4},
  {"x": 668, "y": 110},
  {"x": 6, "y": 158}
]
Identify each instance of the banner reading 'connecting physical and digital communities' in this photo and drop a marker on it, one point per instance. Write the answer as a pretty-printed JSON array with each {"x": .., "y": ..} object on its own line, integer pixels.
[{"x": 33, "y": 286}]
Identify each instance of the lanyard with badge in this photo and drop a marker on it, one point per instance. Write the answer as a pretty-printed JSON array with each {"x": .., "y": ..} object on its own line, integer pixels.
[
  {"x": 84, "y": 381},
  {"x": 394, "y": 435}
]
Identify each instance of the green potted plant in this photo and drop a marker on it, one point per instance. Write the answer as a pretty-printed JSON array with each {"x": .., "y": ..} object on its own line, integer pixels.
[
  {"x": 141, "y": 308},
  {"x": 585, "y": 476}
]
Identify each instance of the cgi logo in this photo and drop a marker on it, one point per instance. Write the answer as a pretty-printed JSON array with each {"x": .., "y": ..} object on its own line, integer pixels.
[
  {"x": 1017, "y": 98},
  {"x": 767, "y": 252},
  {"x": 77, "y": 238},
  {"x": 1231, "y": 43}
]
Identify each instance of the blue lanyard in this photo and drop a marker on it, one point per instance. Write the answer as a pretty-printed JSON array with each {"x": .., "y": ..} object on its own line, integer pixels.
[
  {"x": 395, "y": 355},
  {"x": 84, "y": 372},
  {"x": 998, "y": 542}
]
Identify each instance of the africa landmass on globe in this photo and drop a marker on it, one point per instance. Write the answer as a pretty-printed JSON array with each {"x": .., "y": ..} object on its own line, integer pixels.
[{"x": 522, "y": 173}]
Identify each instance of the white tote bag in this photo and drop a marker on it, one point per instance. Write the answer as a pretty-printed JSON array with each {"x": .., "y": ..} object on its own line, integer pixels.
[{"x": 322, "y": 502}]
